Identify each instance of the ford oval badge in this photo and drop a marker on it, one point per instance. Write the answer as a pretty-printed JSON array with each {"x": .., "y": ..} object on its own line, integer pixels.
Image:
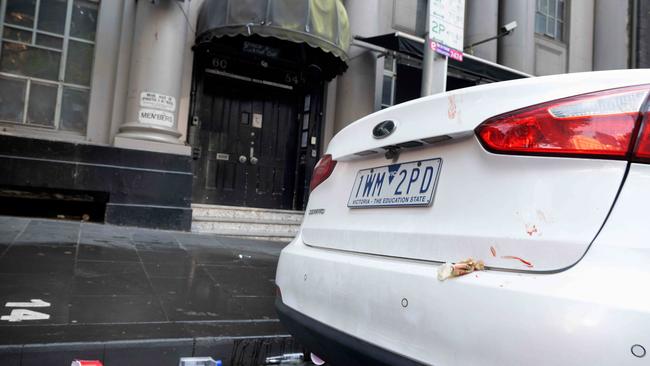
[{"x": 383, "y": 129}]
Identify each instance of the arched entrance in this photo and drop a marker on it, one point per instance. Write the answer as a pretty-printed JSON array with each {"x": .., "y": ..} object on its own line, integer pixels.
[{"x": 259, "y": 73}]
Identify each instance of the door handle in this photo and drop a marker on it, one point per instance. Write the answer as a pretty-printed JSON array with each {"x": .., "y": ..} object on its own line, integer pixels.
[
  {"x": 243, "y": 159},
  {"x": 252, "y": 155}
]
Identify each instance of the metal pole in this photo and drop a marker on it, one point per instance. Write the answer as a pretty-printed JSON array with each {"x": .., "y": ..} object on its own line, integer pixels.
[{"x": 434, "y": 66}]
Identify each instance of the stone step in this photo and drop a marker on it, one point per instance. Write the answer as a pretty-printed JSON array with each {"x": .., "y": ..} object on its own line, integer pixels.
[
  {"x": 247, "y": 230},
  {"x": 232, "y": 228},
  {"x": 245, "y": 222},
  {"x": 279, "y": 239},
  {"x": 245, "y": 214}
]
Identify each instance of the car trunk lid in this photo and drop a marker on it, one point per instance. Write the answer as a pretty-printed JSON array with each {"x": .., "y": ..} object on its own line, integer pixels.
[{"x": 535, "y": 213}]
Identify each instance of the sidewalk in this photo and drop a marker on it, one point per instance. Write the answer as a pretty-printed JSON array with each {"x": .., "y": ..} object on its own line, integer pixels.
[{"x": 135, "y": 296}]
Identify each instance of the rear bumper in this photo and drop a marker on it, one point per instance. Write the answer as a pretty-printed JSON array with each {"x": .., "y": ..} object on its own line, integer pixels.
[
  {"x": 348, "y": 305},
  {"x": 334, "y": 346}
]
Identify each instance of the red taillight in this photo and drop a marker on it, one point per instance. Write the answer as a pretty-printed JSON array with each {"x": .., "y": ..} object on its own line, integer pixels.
[
  {"x": 595, "y": 124},
  {"x": 322, "y": 171},
  {"x": 642, "y": 150}
]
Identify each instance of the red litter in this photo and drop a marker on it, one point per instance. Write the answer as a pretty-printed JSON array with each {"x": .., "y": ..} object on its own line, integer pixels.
[{"x": 87, "y": 363}]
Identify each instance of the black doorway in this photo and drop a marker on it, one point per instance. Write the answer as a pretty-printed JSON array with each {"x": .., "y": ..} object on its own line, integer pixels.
[
  {"x": 255, "y": 126},
  {"x": 248, "y": 137}
]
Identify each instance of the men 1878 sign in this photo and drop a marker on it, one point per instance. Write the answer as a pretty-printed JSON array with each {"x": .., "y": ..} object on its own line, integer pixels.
[{"x": 446, "y": 23}]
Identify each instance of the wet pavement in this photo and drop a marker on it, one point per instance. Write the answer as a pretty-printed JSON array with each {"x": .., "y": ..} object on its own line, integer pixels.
[{"x": 118, "y": 292}]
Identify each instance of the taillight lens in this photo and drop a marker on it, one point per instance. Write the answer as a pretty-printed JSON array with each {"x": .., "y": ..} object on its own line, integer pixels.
[
  {"x": 322, "y": 171},
  {"x": 594, "y": 124},
  {"x": 642, "y": 151}
]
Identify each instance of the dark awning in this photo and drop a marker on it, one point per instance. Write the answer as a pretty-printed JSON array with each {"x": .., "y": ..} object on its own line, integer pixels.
[
  {"x": 414, "y": 47},
  {"x": 322, "y": 24}
]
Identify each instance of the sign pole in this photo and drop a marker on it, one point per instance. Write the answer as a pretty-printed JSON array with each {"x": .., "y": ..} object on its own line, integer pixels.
[
  {"x": 434, "y": 71},
  {"x": 444, "y": 38}
]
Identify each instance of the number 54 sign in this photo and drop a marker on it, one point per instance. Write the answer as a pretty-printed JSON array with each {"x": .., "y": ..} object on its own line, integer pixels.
[{"x": 446, "y": 25}]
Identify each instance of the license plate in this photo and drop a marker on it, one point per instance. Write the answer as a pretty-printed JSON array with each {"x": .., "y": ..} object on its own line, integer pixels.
[{"x": 396, "y": 185}]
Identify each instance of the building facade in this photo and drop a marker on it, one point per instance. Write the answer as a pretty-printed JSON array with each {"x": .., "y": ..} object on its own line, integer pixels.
[{"x": 129, "y": 112}]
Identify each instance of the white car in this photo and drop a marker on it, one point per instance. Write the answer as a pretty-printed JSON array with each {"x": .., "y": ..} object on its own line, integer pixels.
[{"x": 545, "y": 180}]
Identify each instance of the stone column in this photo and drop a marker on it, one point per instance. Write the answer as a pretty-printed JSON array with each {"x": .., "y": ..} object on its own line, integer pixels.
[
  {"x": 151, "y": 120},
  {"x": 581, "y": 36},
  {"x": 611, "y": 38},
  {"x": 356, "y": 87},
  {"x": 481, "y": 22},
  {"x": 517, "y": 50}
]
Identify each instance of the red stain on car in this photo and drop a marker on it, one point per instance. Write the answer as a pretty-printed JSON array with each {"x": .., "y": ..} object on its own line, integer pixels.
[
  {"x": 532, "y": 229},
  {"x": 451, "y": 110},
  {"x": 527, "y": 263}
]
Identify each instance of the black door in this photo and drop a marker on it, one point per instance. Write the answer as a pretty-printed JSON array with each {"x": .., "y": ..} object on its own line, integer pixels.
[{"x": 247, "y": 136}]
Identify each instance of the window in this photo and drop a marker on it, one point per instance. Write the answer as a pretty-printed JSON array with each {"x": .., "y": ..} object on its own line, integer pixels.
[
  {"x": 46, "y": 60},
  {"x": 549, "y": 18},
  {"x": 388, "y": 82}
]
